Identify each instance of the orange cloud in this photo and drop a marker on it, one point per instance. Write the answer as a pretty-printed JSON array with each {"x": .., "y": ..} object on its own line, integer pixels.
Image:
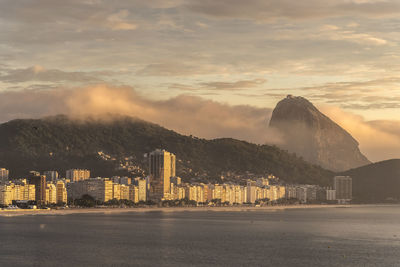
[
  {"x": 185, "y": 114},
  {"x": 378, "y": 140}
]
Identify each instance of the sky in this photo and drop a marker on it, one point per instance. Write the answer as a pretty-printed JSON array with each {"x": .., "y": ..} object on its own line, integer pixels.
[{"x": 208, "y": 68}]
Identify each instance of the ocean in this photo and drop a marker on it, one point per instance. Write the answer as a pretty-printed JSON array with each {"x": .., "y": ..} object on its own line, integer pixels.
[{"x": 355, "y": 236}]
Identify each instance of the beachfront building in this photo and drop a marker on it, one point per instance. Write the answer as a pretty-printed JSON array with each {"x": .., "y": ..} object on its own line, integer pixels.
[
  {"x": 251, "y": 191},
  {"x": 343, "y": 186},
  {"x": 100, "y": 189},
  {"x": 161, "y": 169},
  {"x": 51, "y": 194},
  {"x": 20, "y": 190},
  {"x": 142, "y": 190},
  {"x": 124, "y": 191},
  {"x": 39, "y": 181},
  {"x": 330, "y": 194},
  {"x": 134, "y": 193},
  {"x": 6, "y": 195},
  {"x": 62, "y": 196}
]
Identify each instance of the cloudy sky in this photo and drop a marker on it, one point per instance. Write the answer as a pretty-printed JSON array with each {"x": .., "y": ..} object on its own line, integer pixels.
[{"x": 218, "y": 66}]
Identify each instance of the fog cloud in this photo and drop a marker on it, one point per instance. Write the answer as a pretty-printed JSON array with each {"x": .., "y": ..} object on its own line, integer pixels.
[
  {"x": 184, "y": 114},
  {"x": 378, "y": 140}
]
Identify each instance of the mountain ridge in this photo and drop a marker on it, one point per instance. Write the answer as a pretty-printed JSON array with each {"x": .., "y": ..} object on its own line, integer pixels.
[{"x": 59, "y": 142}]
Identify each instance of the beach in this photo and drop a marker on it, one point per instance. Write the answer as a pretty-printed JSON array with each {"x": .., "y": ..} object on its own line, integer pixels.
[{"x": 23, "y": 212}]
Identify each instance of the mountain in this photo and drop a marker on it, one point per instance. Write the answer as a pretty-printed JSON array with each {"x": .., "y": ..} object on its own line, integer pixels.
[
  {"x": 313, "y": 136},
  {"x": 61, "y": 143},
  {"x": 376, "y": 182}
]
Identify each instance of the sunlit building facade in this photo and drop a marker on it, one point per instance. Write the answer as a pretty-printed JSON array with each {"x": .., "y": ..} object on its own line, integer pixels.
[
  {"x": 62, "y": 196},
  {"x": 76, "y": 175},
  {"x": 161, "y": 169}
]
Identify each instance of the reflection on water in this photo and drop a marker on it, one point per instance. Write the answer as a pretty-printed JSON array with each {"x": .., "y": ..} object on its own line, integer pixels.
[{"x": 359, "y": 236}]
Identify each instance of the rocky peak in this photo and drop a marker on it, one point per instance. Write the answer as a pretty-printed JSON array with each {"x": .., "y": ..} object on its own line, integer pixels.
[{"x": 312, "y": 135}]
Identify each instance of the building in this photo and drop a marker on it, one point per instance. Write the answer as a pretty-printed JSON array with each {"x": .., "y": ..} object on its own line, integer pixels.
[
  {"x": 116, "y": 191},
  {"x": 39, "y": 181},
  {"x": 330, "y": 194},
  {"x": 238, "y": 194},
  {"x": 101, "y": 189},
  {"x": 126, "y": 180},
  {"x": 76, "y": 175},
  {"x": 6, "y": 195},
  {"x": 301, "y": 193},
  {"x": 262, "y": 182},
  {"x": 134, "y": 193},
  {"x": 29, "y": 191},
  {"x": 4, "y": 175},
  {"x": 61, "y": 193},
  {"x": 251, "y": 191},
  {"x": 20, "y": 191},
  {"x": 51, "y": 194},
  {"x": 142, "y": 190},
  {"x": 343, "y": 187},
  {"x": 51, "y": 176},
  {"x": 161, "y": 169},
  {"x": 124, "y": 192},
  {"x": 217, "y": 192}
]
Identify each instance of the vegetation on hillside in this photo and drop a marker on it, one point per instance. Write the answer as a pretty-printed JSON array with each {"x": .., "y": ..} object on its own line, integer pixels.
[
  {"x": 377, "y": 182},
  {"x": 61, "y": 143}
]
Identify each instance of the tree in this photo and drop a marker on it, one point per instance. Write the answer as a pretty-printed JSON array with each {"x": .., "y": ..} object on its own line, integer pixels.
[{"x": 85, "y": 201}]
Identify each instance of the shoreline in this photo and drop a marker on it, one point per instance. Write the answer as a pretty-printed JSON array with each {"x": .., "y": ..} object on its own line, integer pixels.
[{"x": 106, "y": 211}]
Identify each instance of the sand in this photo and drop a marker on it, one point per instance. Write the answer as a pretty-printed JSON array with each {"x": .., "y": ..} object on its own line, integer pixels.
[{"x": 160, "y": 209}]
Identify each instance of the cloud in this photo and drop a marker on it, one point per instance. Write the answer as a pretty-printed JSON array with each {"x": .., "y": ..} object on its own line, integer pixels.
[
  {"x": 219, "y": 86},
  {"x": 117, "y": 21},
  {"x": 185, "y": 114},
  {"x": 31, "y": 103},
  {"x": 332, "y": 32},
  {"x": 378, "y": 140},
  {"x": 271, "y": 10},
  {"x": 329, "y": 32},
  {"x": 174, "y": 68},
  {"x": 39, "y": 73},
  {"x": 238, "y": 85}
]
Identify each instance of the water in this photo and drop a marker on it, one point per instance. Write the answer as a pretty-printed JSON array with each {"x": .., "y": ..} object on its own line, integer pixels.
[{"x": 359, "y": 236}]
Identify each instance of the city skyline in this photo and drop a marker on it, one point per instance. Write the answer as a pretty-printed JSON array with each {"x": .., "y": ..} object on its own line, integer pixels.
[{"x": 161, "y": 186}]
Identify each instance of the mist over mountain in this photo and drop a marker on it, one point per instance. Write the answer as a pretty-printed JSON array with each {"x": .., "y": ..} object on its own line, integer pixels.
[
  {"x": 315, "y": 137},
  {"x": 61, "y": 143}
]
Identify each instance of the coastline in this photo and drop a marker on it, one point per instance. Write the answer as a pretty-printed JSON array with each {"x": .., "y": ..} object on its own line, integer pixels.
[{"x": 107, "y": 211}]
